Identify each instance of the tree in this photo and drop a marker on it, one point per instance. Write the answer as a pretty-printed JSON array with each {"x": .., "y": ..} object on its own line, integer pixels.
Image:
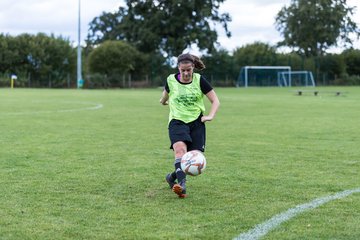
[
  {"x": 352, "y": 60},
  {"x": 257, "y": 54},
  {"x": 113, "y": 57},
  {"x": 332, "y": 66},
  {"x": 220, "y": 68},
  {"x": 311, "y": 27},
  {"x": 106, "y": 27},
  {"x": 37, "y": 57},
  {"x": 113, "y": 61},
  {"x": 162, "y": 26},
  {"x": 7, "y": 53},
  {"x": 294, "y": 60},
  {"x": 48, "y": 59}
]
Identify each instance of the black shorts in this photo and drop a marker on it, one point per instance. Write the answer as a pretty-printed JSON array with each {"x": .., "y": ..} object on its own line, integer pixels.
[{"x": 192, "y": 134}]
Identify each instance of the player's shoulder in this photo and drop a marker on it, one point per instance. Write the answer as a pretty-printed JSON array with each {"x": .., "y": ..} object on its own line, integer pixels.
[
  {"x": 171, "y": 77},
  {"x": 202, "y": 78}
]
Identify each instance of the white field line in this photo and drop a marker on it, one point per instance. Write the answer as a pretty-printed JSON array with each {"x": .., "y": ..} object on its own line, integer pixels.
[
  {"x": 96, "y": 107},
  {"x": 262, "y": 229}
]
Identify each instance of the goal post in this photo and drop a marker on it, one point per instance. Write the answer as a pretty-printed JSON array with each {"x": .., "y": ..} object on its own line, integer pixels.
[{"x": 263, "y": 76}]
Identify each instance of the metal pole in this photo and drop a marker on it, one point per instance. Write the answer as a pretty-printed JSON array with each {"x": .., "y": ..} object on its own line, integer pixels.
[
  {"x": 80, "y": 81},
  {"x": 246, "y": 76}
]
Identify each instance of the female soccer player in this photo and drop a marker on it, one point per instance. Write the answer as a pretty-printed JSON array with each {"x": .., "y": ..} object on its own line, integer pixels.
[{"x": 184, "y": 92}]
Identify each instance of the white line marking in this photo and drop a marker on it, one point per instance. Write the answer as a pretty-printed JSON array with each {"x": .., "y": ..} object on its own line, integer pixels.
[
  {"x": 96, "y": 107},
  {"x": 262, "y": 229}
]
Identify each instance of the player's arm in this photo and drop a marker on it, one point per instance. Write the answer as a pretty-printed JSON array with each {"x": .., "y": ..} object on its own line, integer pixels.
[
  {"x": 215, "y": 104},
  {"x": 164, "y": 98}
]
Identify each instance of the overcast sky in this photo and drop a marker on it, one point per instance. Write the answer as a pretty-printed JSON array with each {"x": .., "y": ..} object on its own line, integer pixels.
[{"x": 252, "y": 20}]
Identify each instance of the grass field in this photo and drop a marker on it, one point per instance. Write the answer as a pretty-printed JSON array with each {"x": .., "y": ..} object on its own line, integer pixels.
[{"x": 90, "y": 164}]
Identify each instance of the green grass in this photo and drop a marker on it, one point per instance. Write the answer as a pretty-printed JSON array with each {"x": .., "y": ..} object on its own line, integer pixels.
[{"x": 72, "y": 173}]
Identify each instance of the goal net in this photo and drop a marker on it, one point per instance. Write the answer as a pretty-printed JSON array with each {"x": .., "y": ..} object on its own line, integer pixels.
[
  {"x": 266, "y": 76},
  {"x": 297, "y": 78}
]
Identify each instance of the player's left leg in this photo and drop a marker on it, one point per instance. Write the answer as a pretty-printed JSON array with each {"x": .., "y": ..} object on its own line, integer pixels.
[{"x": 180, "y": 149}]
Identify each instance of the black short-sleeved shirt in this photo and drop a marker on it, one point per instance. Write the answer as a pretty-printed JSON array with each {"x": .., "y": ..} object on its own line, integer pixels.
[{"x": 204, "y": 84}]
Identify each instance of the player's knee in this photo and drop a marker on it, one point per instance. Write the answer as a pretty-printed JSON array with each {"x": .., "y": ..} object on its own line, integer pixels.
[
  {"x": 179, "y": 149},
  {"x": 180, "y": 152}
]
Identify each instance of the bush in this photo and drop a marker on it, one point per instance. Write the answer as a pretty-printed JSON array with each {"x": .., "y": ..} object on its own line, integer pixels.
[{"x": 346, "y": 80}]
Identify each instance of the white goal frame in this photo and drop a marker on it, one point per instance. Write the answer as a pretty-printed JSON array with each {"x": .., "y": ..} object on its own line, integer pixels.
[
  {"x": 288, "y": 82},
  {"x": 247, "y": 68}
]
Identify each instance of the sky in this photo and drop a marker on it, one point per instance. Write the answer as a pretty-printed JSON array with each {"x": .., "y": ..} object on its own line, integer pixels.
[{"x": 251, "y": 20}]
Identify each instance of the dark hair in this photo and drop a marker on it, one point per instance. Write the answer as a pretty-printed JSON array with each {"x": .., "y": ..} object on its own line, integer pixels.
[{"x": 189, "y": 58}]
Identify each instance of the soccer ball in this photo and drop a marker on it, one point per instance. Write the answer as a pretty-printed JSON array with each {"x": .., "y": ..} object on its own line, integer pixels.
[{"x": 193, "y": 163}]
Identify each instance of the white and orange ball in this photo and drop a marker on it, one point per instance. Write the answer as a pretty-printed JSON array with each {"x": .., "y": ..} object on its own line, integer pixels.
[{"x": 193, "y": 163}]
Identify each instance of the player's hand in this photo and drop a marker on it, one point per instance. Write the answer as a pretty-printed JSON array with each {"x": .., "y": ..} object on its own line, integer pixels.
[
  {"x": 163, "y": 102},
  {"x": 206, "y": 118}
]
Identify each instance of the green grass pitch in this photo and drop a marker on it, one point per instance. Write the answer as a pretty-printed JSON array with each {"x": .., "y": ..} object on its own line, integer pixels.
[{"x": 90, "y": 164}]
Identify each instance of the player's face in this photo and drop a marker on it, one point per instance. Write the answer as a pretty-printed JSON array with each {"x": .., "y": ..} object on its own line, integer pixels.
[{"x": 186, "y": 71}]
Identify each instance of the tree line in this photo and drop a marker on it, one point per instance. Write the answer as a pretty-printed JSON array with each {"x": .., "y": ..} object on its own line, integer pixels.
[
  {"x": 136, "y": 45},
  {"x": 37, "y": 60}
]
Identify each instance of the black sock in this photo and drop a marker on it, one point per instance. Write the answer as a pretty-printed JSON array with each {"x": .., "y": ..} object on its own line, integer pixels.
[
  {"x": 173, "y": 175},
  {"x": 180, "y": 175}
]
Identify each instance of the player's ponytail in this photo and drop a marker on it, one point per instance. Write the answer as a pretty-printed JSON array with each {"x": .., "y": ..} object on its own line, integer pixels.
[{"x": 187, "y": 57}]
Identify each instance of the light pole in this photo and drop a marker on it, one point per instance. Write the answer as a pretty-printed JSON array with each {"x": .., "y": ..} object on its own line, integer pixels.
[{"x": 80, "y": 81}]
